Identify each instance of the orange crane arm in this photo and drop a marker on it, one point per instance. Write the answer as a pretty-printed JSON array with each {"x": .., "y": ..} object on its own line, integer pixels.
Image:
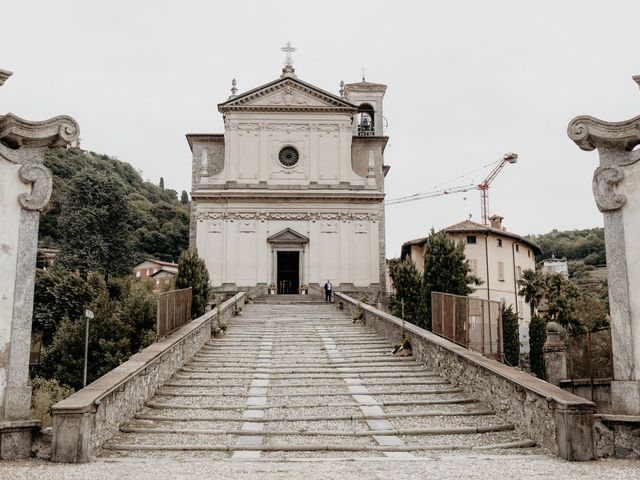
[
  {"x": 435, "y": 193},
  {"x": 483, "y": 187}
]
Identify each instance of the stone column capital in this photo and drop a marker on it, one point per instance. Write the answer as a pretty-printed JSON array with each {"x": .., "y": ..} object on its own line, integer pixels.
[
  {"x": 615, "y": 142},
  {"x": 24, "y": 143}
]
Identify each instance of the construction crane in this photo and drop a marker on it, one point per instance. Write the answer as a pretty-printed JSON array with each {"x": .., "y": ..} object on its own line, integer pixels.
[{"x": 482, "y": 186}]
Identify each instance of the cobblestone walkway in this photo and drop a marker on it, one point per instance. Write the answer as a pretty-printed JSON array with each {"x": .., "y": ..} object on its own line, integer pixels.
[{"x": 302, "y": 381}]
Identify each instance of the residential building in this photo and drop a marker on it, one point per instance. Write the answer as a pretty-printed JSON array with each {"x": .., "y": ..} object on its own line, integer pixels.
[
  {"x": 159, "y": 272},
  {"x": 497, "y": 257},
  {"x": 555, "y": 265}
]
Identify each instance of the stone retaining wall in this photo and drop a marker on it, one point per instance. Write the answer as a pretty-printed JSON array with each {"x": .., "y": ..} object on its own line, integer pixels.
[
  {"x": 555, "y": 419},
  {"x": 85, "y": 420}
]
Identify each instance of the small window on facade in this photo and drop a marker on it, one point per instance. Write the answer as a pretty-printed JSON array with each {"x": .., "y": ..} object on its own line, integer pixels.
[
  {"x": 471, "y": 239},
  {"x": 517, "y": 247},
  {"x": 137, "y": 273},
  {"x": 158, "y": 282},
  {"x": 520, "y": 309},
  {"x": 519, "y": 273},
  {"x": 528, "y": 253},
  {"x": 501, "y": 271},
  {"x": 499, "y": 242}
]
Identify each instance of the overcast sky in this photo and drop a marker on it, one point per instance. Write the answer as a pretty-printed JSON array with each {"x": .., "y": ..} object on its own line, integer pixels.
[{"x": 467, "y": 82}]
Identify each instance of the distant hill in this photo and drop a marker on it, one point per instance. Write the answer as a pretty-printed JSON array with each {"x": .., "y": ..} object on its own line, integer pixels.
[
  {"x": 585, "y": 252},
  {"x": 583, "y": 245},
  {"x": 162, "y": 221}
]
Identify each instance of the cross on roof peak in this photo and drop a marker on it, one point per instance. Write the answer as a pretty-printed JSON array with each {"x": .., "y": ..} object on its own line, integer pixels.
[{"x": 288, "y": 50}]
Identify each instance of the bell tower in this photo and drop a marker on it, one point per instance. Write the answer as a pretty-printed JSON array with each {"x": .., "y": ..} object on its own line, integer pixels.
[{"x": 367, "y": 96}]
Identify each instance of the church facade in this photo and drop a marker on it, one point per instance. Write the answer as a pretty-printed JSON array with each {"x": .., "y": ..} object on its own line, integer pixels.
[{"x": 291, "y": 194}]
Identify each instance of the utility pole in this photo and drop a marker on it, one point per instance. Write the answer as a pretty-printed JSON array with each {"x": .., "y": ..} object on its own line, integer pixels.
[{"x": 89, "y": 315}]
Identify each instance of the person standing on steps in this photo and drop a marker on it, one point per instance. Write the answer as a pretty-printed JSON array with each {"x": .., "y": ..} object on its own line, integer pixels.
[{"x": 327, "y": 291}]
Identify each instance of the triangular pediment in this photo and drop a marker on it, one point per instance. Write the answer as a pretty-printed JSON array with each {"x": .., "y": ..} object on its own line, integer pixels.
[
  {"x": 287, "y": 236},
  {"x": 287, "y": 94}
]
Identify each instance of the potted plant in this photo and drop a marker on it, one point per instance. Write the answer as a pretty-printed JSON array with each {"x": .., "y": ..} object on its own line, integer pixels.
[
  {"x": 272, "y": 289},
  {"x": 304, "y": 289}
]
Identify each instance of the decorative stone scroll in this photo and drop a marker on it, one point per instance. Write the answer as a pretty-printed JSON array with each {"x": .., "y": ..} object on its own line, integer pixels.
[
  {"x": 616, "y": 188},
  {"x": 312, "y": 216},
  {"x": 25, "y": 189}
]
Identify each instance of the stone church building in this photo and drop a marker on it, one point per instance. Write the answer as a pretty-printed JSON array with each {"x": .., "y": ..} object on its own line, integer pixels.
[{"x": 292, "y": 192}]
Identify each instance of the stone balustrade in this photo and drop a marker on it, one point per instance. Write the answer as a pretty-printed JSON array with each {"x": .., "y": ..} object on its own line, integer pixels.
[{"x": 555, "y": 419}]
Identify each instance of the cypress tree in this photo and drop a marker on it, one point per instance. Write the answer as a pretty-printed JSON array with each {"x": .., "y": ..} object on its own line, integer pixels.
[
  {"x": 537, "y": 337},
  {"x": 192, "y": 272},
  {"x": 510, "y": 336},
  {"x": 446, "y": 270}
]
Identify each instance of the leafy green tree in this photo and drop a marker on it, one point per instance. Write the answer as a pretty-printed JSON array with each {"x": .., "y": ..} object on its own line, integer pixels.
[
  {"x": 123, "y": 324},
  {"x": 160, "y": 222},
  {"x": 446, "y": 270},
  {"x": 510, "y": 336},
  {"x": 192, "y": 272},
  {"x": 532, "y": 288},
  {"x": 408, "y": 283},
  {"x": 184, "y": 197},
  {"x": 59, "y": 295},
  {"x": 591, "y": 311},
  {"x": 537, "y": 337},
  {"x": 96, "y": 226}
]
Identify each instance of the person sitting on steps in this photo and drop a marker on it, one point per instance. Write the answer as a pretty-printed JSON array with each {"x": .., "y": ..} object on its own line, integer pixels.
[{"x": 327, "y": 291}]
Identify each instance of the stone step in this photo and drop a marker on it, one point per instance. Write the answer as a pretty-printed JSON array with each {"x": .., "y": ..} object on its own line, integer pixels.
[{"x": 301, "y": 380}]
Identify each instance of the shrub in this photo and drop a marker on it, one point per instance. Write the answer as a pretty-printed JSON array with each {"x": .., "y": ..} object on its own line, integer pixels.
[
  {"x": 45, "y": 394},
  {"x": 537, "y": 337},
  {"x": 358, "y": 315}
]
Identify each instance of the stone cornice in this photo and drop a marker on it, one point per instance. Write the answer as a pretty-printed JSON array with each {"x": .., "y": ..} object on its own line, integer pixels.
[
  {"x": 590, "y": 133},
  {"x": 209, "y": 137},
  {"x": 306, "y": 195},
  {"x": 332, "y": 103},
  {"x": 264, "y": 215},
  {"x": 16, "y": 132},
  {"x": 4, "y": 75}
]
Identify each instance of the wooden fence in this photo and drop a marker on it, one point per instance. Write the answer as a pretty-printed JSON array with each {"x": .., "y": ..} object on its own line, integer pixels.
[
  {"x": 174, "y": 310},
  {"x": 471, "y": 322}
]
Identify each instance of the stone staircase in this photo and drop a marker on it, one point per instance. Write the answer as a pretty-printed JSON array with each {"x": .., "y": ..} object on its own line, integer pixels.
[{"x": 302, "y": 380}]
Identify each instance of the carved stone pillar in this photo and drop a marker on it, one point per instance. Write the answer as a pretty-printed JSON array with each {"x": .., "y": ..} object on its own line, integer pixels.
[
  {"x": 25, "y": 189},
  {"x": 616, "y": 188},
  {"x": 555, "y": 355}
]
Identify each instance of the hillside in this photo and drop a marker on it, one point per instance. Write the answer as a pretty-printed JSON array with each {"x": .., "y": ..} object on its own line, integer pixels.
[
  {"x": 583, "y": 245},
  {"x": 161, "y": 228},
  {"x": 585, "y": 252}
]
